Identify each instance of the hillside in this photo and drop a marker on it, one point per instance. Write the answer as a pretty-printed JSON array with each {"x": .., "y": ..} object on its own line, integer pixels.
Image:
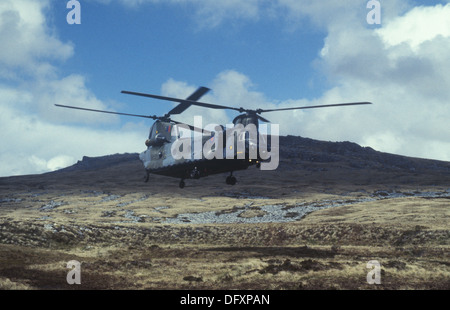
[
  {"x": 326, "y": 211},
  {"x": 298, "y": 149}
]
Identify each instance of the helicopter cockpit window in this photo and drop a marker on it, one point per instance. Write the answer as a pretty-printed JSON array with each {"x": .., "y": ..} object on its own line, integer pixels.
[
  {"x": 164, "y": 130},
  {"x": 150, "y": 135},
  {"x": 160, "y": 133}
]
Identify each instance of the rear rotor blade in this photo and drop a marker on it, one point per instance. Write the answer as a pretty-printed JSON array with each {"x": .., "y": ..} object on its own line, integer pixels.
[
  {"x": 312, "y": 107},
  {"x": 198, "y": 93},
  {"x": 201, "y": 104},
  {"x": 263, "y": 119},
  {"x": 109, "y": 112},
  {"x": 194, "y": 97}
]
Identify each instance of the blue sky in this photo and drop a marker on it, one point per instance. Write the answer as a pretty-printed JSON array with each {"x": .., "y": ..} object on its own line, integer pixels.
[
  {"x": 253, "y": 53},
  {"x": 141, "y": 47}
]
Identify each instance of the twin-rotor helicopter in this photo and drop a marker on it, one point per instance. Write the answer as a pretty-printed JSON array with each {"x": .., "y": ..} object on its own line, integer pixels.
[{"x": 166, "y": 140}]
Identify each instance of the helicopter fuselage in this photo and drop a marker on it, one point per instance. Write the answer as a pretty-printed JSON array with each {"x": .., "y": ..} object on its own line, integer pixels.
[{"x": 197, "y": 155}]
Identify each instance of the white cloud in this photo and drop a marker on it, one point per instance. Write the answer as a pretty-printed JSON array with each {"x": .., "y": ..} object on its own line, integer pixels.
[
  {"x": 36, "y": 136},
  {"x": 72, "y": 91},
  {"x": 59, "y": 162},
  {"x": 32, "y": 145},
  {"x": 242, "y": 94},
  {"x": 419, "y": 25},
  {"x": 30, "y": 44}
]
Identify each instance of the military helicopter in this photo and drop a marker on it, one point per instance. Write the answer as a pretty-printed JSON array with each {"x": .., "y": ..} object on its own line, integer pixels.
[{"x": 168, "y": 139}]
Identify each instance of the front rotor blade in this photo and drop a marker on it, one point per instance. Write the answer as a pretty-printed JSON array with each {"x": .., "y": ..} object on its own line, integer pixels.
[
  {"x": 102, "y": 111},
  {"x": 201, "y": 104},
  {"x": 314, "y": 106}
]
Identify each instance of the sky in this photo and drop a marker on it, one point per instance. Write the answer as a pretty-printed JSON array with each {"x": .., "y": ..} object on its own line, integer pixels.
[{"x": 251, "y": 54}]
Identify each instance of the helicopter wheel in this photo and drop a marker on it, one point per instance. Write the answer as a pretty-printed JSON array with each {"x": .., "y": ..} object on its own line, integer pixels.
[
  {"x": 230, "y": 180},
  {"x": 182, "y": 184}
]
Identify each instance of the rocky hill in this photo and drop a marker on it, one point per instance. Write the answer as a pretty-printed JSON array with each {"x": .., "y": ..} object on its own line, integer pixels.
[
  {"x": 94, "y": 163},
  {"x": 295, "y": 149},
  {"x": 305, "y": 149}
]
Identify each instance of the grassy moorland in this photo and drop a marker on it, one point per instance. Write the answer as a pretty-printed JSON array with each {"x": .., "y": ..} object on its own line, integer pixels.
[{"x": 128, "y": 234}]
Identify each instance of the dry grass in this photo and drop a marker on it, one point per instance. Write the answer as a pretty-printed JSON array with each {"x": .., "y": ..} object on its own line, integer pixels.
[{"x": 113, "y": 224}]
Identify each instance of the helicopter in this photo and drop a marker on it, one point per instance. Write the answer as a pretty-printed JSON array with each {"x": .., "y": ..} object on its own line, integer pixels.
[{"x": 169, "y": 144}]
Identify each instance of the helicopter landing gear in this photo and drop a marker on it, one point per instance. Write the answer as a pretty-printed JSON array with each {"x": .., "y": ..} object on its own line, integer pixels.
[
  {"x": 231, "y": 180},
  {"x": 147, "y": 177},
  {"x": 195, "y": 174},
  {"x": 182, "y": 183}
]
